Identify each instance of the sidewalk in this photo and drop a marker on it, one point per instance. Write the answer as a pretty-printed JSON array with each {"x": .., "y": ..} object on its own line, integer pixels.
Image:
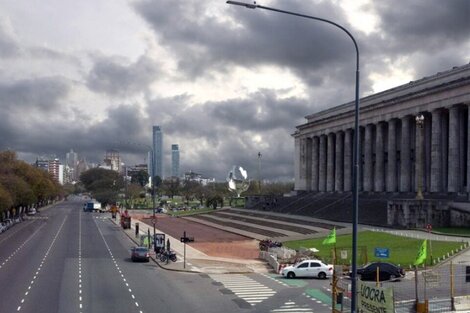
[{"x": 196, "y": 261}]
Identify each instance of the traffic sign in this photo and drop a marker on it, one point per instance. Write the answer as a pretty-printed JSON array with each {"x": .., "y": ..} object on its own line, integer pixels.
[{"x": 382, "y": 253}]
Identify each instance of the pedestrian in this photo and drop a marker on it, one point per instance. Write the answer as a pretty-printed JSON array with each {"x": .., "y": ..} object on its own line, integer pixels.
[{"x": 168, "y": 244}]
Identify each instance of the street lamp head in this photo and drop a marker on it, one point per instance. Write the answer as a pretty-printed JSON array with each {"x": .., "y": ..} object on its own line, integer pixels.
[
  {"x": 243, "y": 4},
  {"x": 420, "y": 120}
]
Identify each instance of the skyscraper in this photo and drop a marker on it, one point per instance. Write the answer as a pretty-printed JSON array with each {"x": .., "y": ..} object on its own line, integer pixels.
[
  {"x": 175, "y": 161},
  {"x": 71, "y": 161},
  {"x": 158, "y": 152}
]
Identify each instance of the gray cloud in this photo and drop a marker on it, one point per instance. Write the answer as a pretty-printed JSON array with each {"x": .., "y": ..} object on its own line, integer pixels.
[
  {"x": 41, "y": 94},
  {"x": 8, "y": 44},
  {"x": 114, "y": 78},
  {"x": 430, "y": 36}
]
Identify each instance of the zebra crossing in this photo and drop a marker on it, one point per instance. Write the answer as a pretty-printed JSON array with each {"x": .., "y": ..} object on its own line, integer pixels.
[
  {"x": 292, "y": 307},
  {"x": 244, "y": 287}
]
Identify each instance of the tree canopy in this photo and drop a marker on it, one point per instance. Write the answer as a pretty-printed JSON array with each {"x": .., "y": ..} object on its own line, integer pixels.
[
  {"x": 104, "y": 185},
  {"x": 22, "y": 184}
]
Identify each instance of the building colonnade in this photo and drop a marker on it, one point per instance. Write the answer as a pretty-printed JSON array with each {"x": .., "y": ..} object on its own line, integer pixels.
[{"x": 394, "y": 153}]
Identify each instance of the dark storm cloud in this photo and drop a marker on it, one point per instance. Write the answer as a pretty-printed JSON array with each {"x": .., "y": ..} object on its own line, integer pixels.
[
  {"x": 215, "y": 135},
  {"x": 307, "y": 47},
  {"x": 424, "y": 24},
  {"x": 41, "y": 94},
  {"x": 113, "y": 78},
  {"x": 431, "y": 34}
]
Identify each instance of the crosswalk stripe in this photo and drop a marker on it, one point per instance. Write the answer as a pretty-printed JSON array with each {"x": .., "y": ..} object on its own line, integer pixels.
[{"x": 245, "y": 288}]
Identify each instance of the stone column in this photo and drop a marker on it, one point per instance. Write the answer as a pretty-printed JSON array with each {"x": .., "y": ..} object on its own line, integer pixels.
[
  {"x": 392, "y": 156},
  {"x": 330, "y": 168},
  {"x": 322, "y": 168},
  {"x": 468, "y": 151},
  {"x": 339, "y": 179},
  {"x": 315, "y": 162},
  {"x": 436, "y": 151},
  {"x": 297, "y": 164},
  {"x": 405, "y": 154},
  {"x": 368, "y": 178},
  {"x": 453, "y": 161},
  {"x": 379, "y": 158},
  {"x": 308, "y": 164},
  {"x": 348, "y": 139}
]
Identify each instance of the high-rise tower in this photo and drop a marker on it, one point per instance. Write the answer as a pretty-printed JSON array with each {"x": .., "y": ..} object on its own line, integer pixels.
[
  {"x": 175, "y": 161},
  {"x": 157, "y": 168}
]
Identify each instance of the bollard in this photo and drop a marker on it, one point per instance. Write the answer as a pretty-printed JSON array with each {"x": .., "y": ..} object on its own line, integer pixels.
[{"x": 137, "y": 230}]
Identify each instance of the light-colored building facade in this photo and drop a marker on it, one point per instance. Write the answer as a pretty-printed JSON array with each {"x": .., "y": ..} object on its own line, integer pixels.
[
  {"x": 175, "y": 161},
  {"x": 112, "y": 160},
  {"x": 157, "y": 168},
  {"x": 396, "y": 154}
]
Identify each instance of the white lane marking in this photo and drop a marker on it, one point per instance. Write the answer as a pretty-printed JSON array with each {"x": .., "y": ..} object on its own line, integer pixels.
[
  {"x": 21, "y": 246},
  {"x": 115, "y": 264},
  {"x": 80, "y": 299},
  {"x": 45, "y": 257}
]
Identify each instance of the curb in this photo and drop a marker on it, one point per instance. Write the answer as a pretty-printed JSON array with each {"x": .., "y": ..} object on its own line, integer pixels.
[
  {"x": 151, "y": 257},
  {"x": 174, "y": 269}
]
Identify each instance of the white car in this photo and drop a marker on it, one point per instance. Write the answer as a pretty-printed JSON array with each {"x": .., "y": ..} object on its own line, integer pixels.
[
  {"x": 31, "y": 211},
  {"x": 308, "y": 268}
]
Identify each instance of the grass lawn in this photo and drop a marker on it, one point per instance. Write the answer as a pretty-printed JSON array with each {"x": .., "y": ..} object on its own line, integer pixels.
[
  {"x": 453, "y": 230},
  {"x": 403, "y": 250}
]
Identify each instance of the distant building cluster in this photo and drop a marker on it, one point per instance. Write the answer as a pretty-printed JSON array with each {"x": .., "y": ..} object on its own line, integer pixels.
[
  {"x": 70, "y": 170},
  {"x": 199, "y": 178}
]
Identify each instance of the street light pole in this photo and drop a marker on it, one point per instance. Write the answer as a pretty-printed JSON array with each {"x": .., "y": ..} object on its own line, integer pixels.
[
  {"x": 152, "y": 179},
  {"x": 355, "y": 186},
  {"x": 259, "y": 172},
  {"x": 419, "y": 160}
]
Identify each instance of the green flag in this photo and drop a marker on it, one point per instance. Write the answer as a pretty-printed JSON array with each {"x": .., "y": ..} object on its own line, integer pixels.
[
  {"x": 331, "y": 239},
  {"x": 422, "y": 253}
]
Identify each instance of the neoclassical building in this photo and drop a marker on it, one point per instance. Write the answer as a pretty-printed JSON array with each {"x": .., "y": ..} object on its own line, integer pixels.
[{"x": 397, "y": 155}]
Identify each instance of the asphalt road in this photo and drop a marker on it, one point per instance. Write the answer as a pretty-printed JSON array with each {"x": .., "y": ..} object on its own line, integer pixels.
[{"x": 65, "y": 260}]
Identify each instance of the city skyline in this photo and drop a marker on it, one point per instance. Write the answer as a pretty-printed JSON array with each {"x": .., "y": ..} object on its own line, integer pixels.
[{"x": 223, "y": 83}]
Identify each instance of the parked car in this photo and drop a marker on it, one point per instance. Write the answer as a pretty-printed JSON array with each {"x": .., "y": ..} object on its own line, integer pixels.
[
  {"x": 3, "y": 228},
  {"x": 140, "y": 254},
  {"x": 387, "y": 271},
  {"x": 8, "y": 222},
  {"x": 31, "y": 211},
  {"x": 308, "y": 268}
]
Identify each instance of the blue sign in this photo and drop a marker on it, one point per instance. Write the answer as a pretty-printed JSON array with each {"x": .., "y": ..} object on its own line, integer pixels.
[{"x": 382, "y": 253}]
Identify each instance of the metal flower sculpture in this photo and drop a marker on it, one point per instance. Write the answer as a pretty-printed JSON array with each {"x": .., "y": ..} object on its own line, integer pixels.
[{"x": 237, "y": 180}]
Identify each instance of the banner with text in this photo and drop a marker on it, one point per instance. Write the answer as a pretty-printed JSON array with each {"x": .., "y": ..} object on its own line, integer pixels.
[{"x": 372, "y": 299}]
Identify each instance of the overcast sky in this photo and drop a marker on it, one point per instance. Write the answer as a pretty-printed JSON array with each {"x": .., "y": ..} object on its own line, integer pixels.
[{"x": 223, "y": 82}]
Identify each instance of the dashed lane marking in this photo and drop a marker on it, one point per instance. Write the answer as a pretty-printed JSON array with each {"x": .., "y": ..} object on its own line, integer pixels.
[
  {"x": 80, "y": 299},
  {"x": 244, "y": 287},
  {"x": 38, "y": 271},
  {"x": 117, "y": 267},
  {"x": 20, "y": 247}
]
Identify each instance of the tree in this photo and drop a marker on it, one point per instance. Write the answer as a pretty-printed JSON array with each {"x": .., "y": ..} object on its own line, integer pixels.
[
  {"x": 141, "y": 178},
  {"x": 188, "y": 190},
  {"x": 5, "y": 199},
  {"x": 214, "y": 200},
  {"x": 201, "y": 192},
  {"x": 171, "y": 186},
  {"x": 103, "y": 184}
]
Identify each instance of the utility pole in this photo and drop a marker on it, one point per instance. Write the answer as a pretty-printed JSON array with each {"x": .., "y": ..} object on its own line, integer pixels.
[{"x": 259, "y": 172}]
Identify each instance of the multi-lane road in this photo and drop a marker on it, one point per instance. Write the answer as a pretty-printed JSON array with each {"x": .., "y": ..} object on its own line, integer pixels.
[{"x": 65, "y": 260}]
